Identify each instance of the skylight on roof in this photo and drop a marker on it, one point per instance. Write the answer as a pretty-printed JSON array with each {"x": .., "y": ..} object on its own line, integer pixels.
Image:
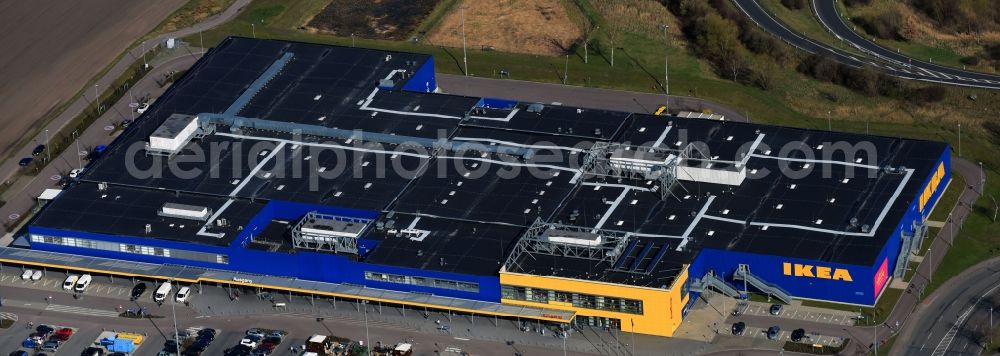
[
  {"x": 779, "y": 206},
  {"x": 819, "y": 221},
  {"x": 711, "y": 232}
]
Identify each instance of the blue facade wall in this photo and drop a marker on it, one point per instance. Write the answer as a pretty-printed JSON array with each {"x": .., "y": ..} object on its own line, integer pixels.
[
  {"x": 770, "y": 269},
  {"x": 423, "y": 80},
  {"x": 862, "y": 290},
  {"x": 306, "y": 265}
]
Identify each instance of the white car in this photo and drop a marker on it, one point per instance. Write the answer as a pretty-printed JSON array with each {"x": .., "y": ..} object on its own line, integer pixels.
[
  {"x": 183, "y": 294},
  {"x": 248, "y": 342},
  {"x": 70, "y": 282},
  {"x": 37, "y": 275},
  {"x": 142, "y": 108},
  {"x": 75, "y": 173},
  {"x": 27, "y": 274}
]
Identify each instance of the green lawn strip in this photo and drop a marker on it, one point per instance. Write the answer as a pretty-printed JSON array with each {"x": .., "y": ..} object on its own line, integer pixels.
[
  {"x": 804, "y": 22},
  {"x": 874, "y": 315},
  {"x": 976, "y": 241},
  {"x": 917, "y": 50}
]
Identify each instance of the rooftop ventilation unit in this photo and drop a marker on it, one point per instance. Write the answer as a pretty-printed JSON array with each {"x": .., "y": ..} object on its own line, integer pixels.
[
  {"x": 184, "y": 211},
  {"x": 331, "y": 233},
  {"x": 175, "y": 132},
  {"x": 535, "y": 108}
]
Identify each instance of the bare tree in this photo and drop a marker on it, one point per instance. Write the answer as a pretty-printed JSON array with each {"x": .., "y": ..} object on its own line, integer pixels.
[{"x": 614, "y": 35}]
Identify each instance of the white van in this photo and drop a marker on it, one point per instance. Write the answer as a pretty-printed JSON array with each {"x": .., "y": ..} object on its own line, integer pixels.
[
  {"x": 70, "y": 282},
  {"x": 183, "y": 294},
  {"x": 162, "y": 292},
  {"x": 82, "y": 283},
  {"x": 27, "y": 274}
]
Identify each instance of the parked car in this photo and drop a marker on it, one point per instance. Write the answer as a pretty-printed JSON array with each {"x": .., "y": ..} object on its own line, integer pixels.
[
  {"x": 773, "y": 332},
  {"x": 38, "y": 150},
  {"x": 75, "y": 173},
  {"x": 44, "y": 329},
  {"x": 93, "y": 351},
  {"x": 739, "y": 328},
  {"x": 162, "y": 292},
  {"x": 142, "y": 108},
  {"x": 125, "y": 123},
  {"x": 775, "y": 309},
  {"x": 36, "y": 275},
  {"x": 798, "y": 334},
  {"x": 255, "y": 332},
  {"x": 18, "y": 353},
  {"x": 51, "y": 345},
  {"x": 24, "y": 162},
  {"x": 27, "y": 274},
  {"x": 138, "y": 290},
  {"x": 82, "y": 283}
]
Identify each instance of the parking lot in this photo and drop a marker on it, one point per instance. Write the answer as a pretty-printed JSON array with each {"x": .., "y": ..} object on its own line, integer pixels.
[
  {"x": 802, "y": 313},
  {"x": 786, "y": 335}
]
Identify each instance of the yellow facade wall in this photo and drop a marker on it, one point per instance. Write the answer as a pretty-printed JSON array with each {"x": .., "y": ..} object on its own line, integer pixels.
[{"x": 662, "y": 308}]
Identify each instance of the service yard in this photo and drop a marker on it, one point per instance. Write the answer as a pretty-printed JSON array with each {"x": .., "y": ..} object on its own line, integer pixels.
[
  {"x": 523, "y": 26},
  {"x": 375, "y": 19}
]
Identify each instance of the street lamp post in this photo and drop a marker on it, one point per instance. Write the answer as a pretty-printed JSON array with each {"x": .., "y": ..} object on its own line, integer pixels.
[
  {"x": 960, "y": 140},
  {"x": 930, "y": 265},
  {"x": 48, "y": 150},
  {"x": 829, "y": 120},
  {"x": 173, "y": 311},
  {"x": 666, "y": 63},
  {"x": 253, "y": 30},
  {"x": 79, "y": 158},
  {"x": 367, "y": 340},
  {"x": 144, "y": 64},
  {"x": 566, "y": 70},
  {"x": 951, "y": 228},
  {"x": 465, "y": 54},
  {"x": 97, "y": 98}
]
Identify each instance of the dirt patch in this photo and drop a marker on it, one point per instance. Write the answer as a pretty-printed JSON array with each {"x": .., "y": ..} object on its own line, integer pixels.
[
  {"x": 193, "y": 12},
  {"x": 524, "y": 26},
  {"x": 377, "y": 19},
  {"x": 65, "y": 44}
]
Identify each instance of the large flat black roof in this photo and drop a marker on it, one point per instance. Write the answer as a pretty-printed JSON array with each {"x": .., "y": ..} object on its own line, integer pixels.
[{"x": 492, "y": 171}]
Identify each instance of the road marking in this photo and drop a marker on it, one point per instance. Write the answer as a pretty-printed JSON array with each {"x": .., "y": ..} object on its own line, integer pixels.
[
  {"x": 78, "y": 310},
  {"x": 946, "y": 341},
  {"x": 461, "y": 338}
]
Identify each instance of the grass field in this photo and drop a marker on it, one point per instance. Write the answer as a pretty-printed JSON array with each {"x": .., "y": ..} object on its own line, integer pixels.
[
  {"x": 926, "y": 41},
  {"x": 543, "y": 27}
]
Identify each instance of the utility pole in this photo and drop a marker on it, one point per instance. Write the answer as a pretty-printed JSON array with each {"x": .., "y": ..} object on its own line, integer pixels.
[
  {"x": 666, "y": 63},
  {"x": 465, "y": 54}
]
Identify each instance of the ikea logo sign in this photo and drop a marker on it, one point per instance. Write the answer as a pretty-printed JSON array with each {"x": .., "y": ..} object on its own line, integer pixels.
[
  {"x": 801, "y": 270},
  {"x": 931, "y": 187}
]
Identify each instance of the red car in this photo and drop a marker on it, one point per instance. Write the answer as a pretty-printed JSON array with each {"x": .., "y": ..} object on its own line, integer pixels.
[{"x": 65, "y": 331}]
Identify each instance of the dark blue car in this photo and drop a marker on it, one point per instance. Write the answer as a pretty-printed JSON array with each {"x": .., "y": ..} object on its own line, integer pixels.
[{"x": 24, "y": 162}]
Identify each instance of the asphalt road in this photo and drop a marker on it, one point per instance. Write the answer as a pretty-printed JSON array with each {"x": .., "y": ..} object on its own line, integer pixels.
[
  {"x": 826, "y": 12},
  {"x": 584, "y": 97},
  {"x": 902, "y": 69},
  {"x": 950, "y": 320}
]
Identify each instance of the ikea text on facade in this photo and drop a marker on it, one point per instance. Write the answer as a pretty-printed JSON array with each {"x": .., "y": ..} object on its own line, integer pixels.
[{"x": 804, "y": 270}]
